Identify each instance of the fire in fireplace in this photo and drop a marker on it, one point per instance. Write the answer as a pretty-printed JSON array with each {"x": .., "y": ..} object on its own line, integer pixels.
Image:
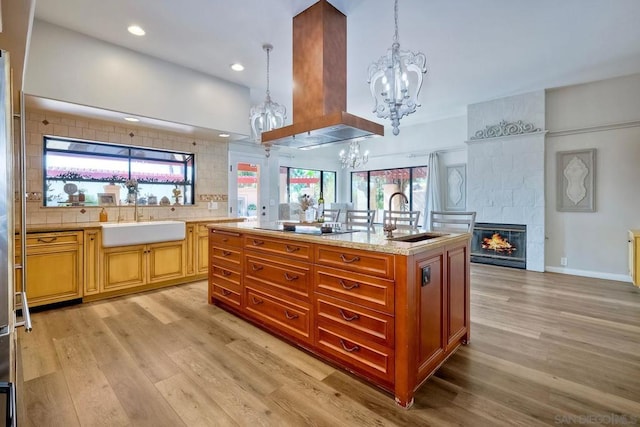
[{"x": 499, "y": 244}]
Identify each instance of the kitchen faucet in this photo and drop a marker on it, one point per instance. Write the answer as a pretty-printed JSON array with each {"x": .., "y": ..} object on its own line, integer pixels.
[{"x": 390, "y": 226}]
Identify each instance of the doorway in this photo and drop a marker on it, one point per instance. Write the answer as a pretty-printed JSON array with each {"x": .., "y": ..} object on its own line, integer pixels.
[{"x": 247, "y": 186}]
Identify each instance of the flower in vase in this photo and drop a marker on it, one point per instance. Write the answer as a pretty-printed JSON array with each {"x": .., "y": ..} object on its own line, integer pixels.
[{"x": 306, "y": 202}]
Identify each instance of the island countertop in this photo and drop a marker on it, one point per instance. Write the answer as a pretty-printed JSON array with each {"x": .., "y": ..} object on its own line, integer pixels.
[{"x": 373, "y": 240}]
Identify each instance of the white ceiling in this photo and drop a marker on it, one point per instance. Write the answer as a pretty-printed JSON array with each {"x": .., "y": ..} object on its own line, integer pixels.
[{"x": 476, "y": 49}]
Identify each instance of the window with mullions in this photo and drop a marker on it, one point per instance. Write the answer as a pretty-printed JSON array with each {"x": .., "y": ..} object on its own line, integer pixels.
[
  {"x": 294, "y": 182},
  {"x": 85, "y": 173},
  {"x": 372, "y": 189}
]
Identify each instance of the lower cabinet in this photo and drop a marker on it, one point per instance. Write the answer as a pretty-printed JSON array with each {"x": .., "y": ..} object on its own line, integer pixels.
[
  {"x": 54, "y": 267},
  {"x": 138, "y": 265}
]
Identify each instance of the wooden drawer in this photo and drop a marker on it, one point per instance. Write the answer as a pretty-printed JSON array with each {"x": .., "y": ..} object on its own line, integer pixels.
[
  {"x": 355, "y": 321},
  {"x": 226, "y": 295},
  {"x": 227, "y": 278},
  {"x": 376, "y": 264},
  {"x": 224, "y": 239},
  {"x": 290, "y": 277},
  {"x": 289, "y": 248},
  {"x": 372, "y": 361},
  {"x": 283, "y": 314},
  {"x": 54, "y": 239},
  {"x": 368, "y": 291},
  {"x": 226, "y": 257}
]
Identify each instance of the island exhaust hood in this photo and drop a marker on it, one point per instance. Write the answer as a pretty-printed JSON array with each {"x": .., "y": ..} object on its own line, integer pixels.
[{"x": 320, "y": 84}]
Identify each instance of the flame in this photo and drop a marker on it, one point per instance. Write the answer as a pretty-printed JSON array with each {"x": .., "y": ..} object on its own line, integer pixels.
[{"x": 498, "y": 244}]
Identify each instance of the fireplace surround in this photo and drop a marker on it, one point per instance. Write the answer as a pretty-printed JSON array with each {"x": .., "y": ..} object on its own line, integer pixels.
[{"x": 499, "y": 244}]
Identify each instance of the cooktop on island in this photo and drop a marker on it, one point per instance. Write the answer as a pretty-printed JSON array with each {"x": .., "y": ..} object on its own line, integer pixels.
[{"x": 304, "y": 229}]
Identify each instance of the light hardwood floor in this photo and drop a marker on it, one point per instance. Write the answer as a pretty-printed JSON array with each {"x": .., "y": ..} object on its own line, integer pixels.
[{"x": 546, "y": 349}]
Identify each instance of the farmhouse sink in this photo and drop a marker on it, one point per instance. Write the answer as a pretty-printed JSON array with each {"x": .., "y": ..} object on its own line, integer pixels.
[
  {"x": 420, "y": 237},
  {"x": 138, "y": 233}
]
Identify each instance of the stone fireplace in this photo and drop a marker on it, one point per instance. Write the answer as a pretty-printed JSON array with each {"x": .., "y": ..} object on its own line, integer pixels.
[
  {"x": 505, "y": 169},
  {"x": 499, "y": 244}
]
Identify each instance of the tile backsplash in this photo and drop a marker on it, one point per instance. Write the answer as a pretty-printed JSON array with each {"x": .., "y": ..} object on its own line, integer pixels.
[{"x": 211, "y": 168}]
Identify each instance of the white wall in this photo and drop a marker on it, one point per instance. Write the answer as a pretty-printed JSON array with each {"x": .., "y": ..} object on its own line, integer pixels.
[
  {"x": 69, "y": 66},
  {"x": 604, "y": 115}
]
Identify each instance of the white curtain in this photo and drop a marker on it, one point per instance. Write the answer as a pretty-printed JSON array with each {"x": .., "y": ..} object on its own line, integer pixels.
[{"x": 433, "y": 189}]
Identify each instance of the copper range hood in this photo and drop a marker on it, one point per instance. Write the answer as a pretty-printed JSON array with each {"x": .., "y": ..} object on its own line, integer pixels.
[{"x": 320, "y": 84}]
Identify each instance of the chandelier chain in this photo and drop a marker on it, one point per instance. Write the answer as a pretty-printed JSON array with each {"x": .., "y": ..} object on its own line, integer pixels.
[
  {"x": 268, "y": 51},
  {"x": 396, "y": 37}
]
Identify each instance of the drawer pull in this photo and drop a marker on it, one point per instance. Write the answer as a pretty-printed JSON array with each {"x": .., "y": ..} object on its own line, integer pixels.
[
  {"x": 290, "y": 316},
  {"x": 257, "y": 242},
  {"x": 291, "y": 249},
  {"x": 226, "y": 273},
  {"x": 349, "y": 349},
  {"x": 348, "y": 319},
  {"x": 256, "y": 301},
  {"x": 226, "y": 253},
  {"x": 47, "y": 239},
  {"x": 345, "y": 286},
  {"x": 349, "y": 261},
  {"x": 226, "y": 292},
  {"x": 256, "y": 267},
  {"x": 290, "y": 278},
  {"x": 225, "y": 240}
]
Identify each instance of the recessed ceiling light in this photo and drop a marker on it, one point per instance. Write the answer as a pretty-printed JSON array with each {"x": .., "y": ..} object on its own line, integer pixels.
[
  {"x": 237, "y": 67},
  {"x": 136, "y": 30},
  {"x": 224, "y": 135},
  {"x": 131, "y": 119}
]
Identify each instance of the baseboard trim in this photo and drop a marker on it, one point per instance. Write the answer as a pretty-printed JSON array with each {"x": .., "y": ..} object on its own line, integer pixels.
[{"x": 587, "y": 273}]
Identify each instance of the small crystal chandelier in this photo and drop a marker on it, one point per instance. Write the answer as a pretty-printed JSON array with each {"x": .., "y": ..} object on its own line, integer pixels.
[
  {"x": 268, "y": 115},
  {"x": 395, "y": 81},
  {"x": 353, "y": 158}
]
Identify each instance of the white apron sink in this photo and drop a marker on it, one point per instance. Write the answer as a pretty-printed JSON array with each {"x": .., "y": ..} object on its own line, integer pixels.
[{"x": 138, "y": 233}]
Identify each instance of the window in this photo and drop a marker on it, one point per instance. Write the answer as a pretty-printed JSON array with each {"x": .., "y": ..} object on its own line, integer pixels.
[
  {"x": 372, "y": 189},
  {"x": 77, "y": 172},
  {"x": 295, "y": 182}
]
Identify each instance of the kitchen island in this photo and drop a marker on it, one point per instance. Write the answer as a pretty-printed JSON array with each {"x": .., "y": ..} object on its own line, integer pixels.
[{"x": 388, "y": 311}]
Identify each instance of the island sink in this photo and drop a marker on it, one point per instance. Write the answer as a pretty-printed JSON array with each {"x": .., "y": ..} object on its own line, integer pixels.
[
  {"x": 139, "y": 233},
  {"x": 413, "y": 238}
]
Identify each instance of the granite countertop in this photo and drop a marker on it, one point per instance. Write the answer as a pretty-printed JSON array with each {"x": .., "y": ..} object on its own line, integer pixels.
[
  {"x": 361, "y": 239},
  {"x": 68, "y": 226}
]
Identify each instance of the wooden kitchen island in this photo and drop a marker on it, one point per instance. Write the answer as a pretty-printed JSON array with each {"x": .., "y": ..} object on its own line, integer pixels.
[{"x": 390, "y": 312}]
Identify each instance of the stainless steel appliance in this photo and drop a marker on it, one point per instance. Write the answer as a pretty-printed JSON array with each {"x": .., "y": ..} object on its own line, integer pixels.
[{"x": 11, "y": 230}]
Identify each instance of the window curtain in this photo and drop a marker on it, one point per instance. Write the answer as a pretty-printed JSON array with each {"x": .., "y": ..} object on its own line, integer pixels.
[{"x": 433, "y": 189}]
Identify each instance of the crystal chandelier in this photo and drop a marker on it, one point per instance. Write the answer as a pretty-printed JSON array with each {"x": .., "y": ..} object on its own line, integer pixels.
[
  {"x": 395, "y": 81},
  {"x": 353, "y": 158},
  {"x": 268, "y": 115}
]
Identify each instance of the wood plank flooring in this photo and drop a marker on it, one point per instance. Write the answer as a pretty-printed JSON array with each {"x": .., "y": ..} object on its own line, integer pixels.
[{"x": 546, "y": 349}]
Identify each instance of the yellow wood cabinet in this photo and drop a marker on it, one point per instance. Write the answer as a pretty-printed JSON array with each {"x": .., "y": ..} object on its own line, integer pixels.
[
  {"x": 92, "y": 260},
  {"x": 634, "y": 257},
  {"x": 202, "y": 249},
  {"x": 54, "y": 267},
  {"x": 138, "y": 265},
  {"x": 197, "y": 247}
]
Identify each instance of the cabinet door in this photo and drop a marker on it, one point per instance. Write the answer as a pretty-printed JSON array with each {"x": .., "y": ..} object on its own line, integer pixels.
[
  {"x": 191, "y": 248},
  {"x": 124, "y": 267},
  {"x": 166, "y": 261},
  {"x": 202, "y": 254},
  {"x": 457, "y": 294},
  {"x": 54, "y": 275},
  {"x": 92, "y": 244},
  {"x": 431, "y": 346}
]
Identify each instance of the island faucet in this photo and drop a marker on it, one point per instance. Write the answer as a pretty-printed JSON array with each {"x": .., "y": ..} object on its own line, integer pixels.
[{"x": 391, "y": 225}]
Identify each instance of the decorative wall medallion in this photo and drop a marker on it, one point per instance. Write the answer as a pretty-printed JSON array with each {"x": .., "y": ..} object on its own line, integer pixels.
[
  {"x": 576, "y": 172},
  {"x": 505, "y": 128},
  {"x": 575, "y": 175},
  {"x": 455, "y": 188}
]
